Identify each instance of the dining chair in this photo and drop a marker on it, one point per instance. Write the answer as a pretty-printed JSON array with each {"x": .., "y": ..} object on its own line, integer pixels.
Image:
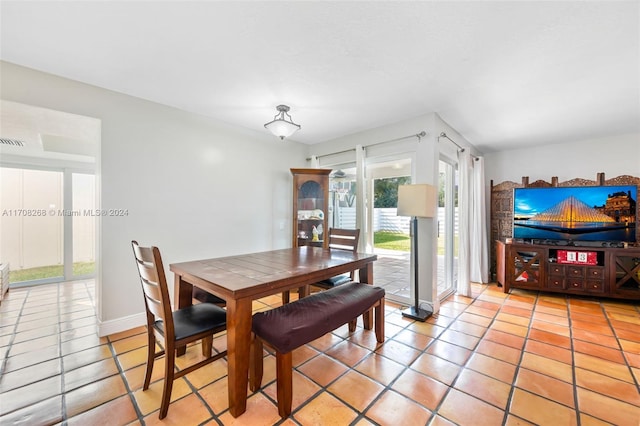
[
  {"x": 339, "y": 239},
  {"x": 173, "y": 329}
]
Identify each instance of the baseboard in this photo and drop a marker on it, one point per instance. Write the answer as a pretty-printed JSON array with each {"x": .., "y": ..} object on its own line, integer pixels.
[{"x": 106, "y": 328}]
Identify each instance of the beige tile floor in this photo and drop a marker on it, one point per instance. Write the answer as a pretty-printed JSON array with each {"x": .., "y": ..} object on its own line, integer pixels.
[{"x": 492, "y": 359}]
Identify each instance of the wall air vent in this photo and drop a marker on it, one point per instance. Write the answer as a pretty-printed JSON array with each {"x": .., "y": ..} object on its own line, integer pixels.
[{"x": 12, "y": 142}]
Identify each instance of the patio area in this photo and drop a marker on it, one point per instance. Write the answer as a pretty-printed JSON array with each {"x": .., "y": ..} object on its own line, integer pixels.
[{"x": 392, "y": 272}]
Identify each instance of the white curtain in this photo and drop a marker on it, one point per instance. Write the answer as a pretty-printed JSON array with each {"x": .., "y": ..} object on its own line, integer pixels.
[
  {"x": 479, "y": 253},
  {"x": 361, "y": 197},
  {"x": 465, "y": 212}
]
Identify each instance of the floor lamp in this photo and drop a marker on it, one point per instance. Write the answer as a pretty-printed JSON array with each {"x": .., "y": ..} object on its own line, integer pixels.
[{"x": 416, "y": 201}]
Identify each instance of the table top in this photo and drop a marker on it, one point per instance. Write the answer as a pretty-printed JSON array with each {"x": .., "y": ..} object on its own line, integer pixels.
[{"x": 259, "y": 274}]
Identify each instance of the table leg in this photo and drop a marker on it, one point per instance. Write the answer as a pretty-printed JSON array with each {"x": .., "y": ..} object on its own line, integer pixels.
[
  {"x": 238, "y": 345},
  {"x": 304, "y": 291},
  {"x": 365, "y": 275},
  {"x": 183, "y": 297}
]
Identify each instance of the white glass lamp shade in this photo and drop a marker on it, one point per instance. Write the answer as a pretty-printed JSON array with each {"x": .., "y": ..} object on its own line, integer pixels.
[
  {"x": 420, "y": 200},
  {"x": 282, "y": 128}
]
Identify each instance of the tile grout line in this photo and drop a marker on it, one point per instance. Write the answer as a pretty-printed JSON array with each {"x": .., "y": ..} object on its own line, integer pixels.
[
  {"x": 3, "y": 366},
  {"x": 196, "y": 392},
  {"x": 125, "y": 381},
  {"x": 434, "y": 412},
  {"x": 506, "y": 410},
  {"x": 574, "y": 376},
  {"x": 622, "y": 351},
  {"x": 63, "y": 399},
  {"x": 512, "y": 385},
  {"x": 119, "y": 367}
]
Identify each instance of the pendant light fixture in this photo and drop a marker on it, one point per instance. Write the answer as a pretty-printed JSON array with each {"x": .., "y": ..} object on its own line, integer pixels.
[{"x": 280, "y": 126}]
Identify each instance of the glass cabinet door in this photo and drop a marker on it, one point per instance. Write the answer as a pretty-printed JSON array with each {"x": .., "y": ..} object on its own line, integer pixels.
[
  {"x": 625, "y": 271},
  {"x": 527, "y": 267},
  {"x": 310, "y": 206},
  {"x": 310, "y": 214}
]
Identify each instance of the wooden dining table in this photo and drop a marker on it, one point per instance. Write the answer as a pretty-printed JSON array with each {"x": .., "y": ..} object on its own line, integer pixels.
[{"x": 241, "y": 279}]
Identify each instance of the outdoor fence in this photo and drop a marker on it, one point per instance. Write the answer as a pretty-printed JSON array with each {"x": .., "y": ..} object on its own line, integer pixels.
[{"x": 385, "y": 220}]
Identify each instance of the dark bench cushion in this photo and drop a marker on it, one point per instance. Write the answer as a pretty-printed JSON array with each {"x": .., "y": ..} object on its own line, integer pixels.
[{"x": 294, "y": 324}]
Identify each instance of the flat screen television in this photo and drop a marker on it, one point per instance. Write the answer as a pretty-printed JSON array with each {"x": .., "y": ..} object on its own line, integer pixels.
[{"x": 576, "y": 214}]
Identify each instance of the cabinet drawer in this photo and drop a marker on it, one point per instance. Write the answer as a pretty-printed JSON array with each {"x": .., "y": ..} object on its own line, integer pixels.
[
  {"x": 573, "y": 284},
  {"x": 556, "y": 269},
  {"x": 575, "y": 271},
  {"x": 595, "y": 273},
  {"x": 595, "y": 286},
  {"x": 556, "y": 282}
]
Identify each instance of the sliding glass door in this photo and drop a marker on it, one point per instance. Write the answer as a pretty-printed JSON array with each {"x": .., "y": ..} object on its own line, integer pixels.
[
  {"x": 447, "y": 227},
  {"x": 48, "y": 225},
  {"x": 32, "y": 230},
  {"x": 83, "y": 224},
  {"x": 388, "y": 233}
]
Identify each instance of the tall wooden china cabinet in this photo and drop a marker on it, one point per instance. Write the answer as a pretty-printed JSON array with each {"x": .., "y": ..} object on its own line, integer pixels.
[{"x": 310, "y": 207}]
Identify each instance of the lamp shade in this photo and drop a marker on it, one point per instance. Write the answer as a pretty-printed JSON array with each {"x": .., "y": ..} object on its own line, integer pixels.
[
  {"x": 282, "y": 128},
  {"x": 420, "y": 200}
]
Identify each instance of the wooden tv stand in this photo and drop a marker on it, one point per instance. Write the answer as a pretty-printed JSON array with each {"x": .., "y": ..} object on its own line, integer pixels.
[{"x": 612, "y": 272}]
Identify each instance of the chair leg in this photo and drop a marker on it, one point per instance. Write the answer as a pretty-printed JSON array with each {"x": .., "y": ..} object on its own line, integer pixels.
[
  {"x": 255, "y": 364},
  {"x": 352, "y": 325},
  {"x": 284, "y": 372},
  {"x": 169, "y": 363},
  {"x": 285, "y": 297},
  {"x": 366, "y": 320},
  {"x": 207, "y": 343},
  {"x": 151, "y": 356},
  {"x": 379, "y": 321}
]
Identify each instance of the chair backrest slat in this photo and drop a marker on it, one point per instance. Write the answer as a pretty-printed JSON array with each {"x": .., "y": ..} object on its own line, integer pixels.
[
  {"x": 148, "y": 273},
  {"x": 155, "y": 307},
  {"x": 154, "y": 287},
  {"x": 344, "y": 239}
]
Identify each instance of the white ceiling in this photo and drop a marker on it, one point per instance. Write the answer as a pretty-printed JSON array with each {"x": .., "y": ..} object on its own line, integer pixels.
[{"x": 503, "y": 74}]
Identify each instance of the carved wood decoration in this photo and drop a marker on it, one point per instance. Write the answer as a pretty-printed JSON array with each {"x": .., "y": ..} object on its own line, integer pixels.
[{"x": 502, "y": 203}]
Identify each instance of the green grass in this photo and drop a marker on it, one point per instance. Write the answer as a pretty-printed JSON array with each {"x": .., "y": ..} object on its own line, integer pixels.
[
  {"x": 84, "y": 268},
  {"x": 392, "y": 241},
  {"x": 402, "y": 242},
  {"x": 51, "y": 271}
]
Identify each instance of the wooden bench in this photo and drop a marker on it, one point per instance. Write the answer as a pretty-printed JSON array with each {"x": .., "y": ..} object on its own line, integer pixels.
[{"x": 295, "y": 324}]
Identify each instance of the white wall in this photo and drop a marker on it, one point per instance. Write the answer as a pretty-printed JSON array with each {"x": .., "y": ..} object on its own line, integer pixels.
[
  {"x": 194, "y": 186},
  {"x": 614, "y": 155}
]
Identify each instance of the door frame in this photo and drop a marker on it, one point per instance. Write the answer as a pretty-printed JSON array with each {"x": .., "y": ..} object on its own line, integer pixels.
[{"x": 450, "y": 230}]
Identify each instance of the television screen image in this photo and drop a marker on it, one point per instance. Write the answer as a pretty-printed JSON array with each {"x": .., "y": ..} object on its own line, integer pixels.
[{"x": 586, "y": 213}]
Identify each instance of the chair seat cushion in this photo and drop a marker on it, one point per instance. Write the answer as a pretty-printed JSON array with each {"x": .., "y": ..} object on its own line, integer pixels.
[
  {"x": 335, "y": 281},
  {"x": 294, "y": 324},
  {"x": 196, "y": 319}
]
